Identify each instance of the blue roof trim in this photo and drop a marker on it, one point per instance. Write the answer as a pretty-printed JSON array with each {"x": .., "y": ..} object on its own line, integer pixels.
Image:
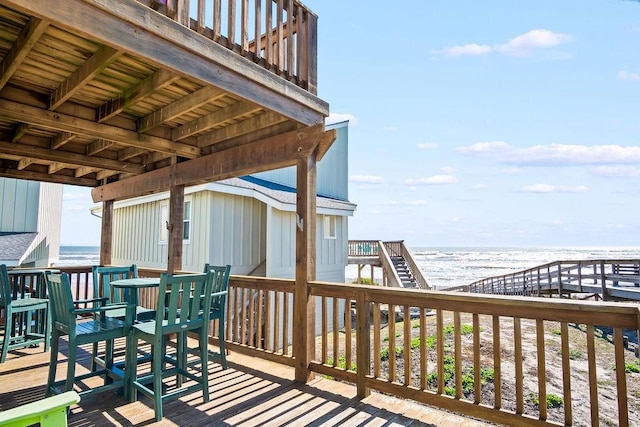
[
  {"x": 268, "y": 184},
  {"x": 279, "y": 187}
]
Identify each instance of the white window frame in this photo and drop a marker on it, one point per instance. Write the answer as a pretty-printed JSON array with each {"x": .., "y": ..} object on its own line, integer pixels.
[
  {"x": 330, "y": 227},
  {"x": 187, "y": 221}
]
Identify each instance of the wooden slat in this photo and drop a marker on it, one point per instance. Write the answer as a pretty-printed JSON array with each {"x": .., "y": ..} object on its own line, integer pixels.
[
  {"x": 477, "y": 367},
  {"x": 566, "y": 374},
  {"x": 518, "y": 356},
  {"x": 60, "y": 139},
  {"x": 593, "y": 375},
  {"x": 21, "y": 48},
  {"x": 335, "y": 332},
  {"x": 440, "y": 350},
  {"x": 376, "y": 340},
  {"x": 497, "y": 364},
  {"x": 621, "y": 378},
  {"x": 457, "y": 348},
  {"x": 542, "y": 366},
  {"x": 97, "y": 146},
  {"x": 325, "y": 330},
  {"x": 407, "y": 345},
  {"x": 244, "y": 132},
  {"x": 391, "y": 326},
  {"x": 217, "y": 118}
]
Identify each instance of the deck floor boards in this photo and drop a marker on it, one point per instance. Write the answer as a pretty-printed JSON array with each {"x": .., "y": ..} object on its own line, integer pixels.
[{"x": 252, "y": 392}]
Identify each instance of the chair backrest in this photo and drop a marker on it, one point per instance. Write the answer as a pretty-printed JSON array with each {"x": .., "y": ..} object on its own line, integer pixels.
[
  {"x": 103, "y": 276},
  {"x": 182, "y": 300},
  {"x": 219, "y": 285},
  {"x": 61, "y": 302},
  {"x": 5, "y": 287}
]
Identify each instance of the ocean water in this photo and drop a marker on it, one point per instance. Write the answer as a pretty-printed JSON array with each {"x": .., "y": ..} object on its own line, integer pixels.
[
  {"x": 79, "y": 255},
  {"x": 443, "y": 267}
]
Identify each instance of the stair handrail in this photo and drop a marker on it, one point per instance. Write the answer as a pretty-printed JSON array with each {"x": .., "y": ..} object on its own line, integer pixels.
[
  {"x": 387, "y": 265},
  {"x": 405, "y": 253}
]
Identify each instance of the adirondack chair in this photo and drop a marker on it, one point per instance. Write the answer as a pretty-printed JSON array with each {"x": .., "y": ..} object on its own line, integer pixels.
[
  {"x": 79, "y": 331},
  {"x": 16, "y": 311},
  {"x": 102, "y": 278},
  {"x": 48, "y": 412},
  {"x": 183, "y": 302},
  {"x": 219, "y": 290}
]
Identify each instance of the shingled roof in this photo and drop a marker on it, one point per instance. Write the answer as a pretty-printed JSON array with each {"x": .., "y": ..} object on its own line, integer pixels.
[{"x": 13, "y": 247}]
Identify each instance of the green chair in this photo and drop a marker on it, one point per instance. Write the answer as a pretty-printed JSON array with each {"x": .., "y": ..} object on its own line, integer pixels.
[
  {"x": 102, "y": 278},
  {"x": 66, "y": 321},
  {"x": 17, "y": 319},
  {"x": 219, "y": 290},
  {"x": 182, "y": 303},
  {"x": 48, "y": 412}
]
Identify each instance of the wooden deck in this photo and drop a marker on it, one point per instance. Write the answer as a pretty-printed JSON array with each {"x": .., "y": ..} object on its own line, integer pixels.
[{"x": 251, "y": 392}]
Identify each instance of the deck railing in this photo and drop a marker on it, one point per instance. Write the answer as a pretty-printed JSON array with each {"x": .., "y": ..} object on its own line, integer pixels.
[
  {"x": 606, "y": 279},
  {"x": 280, "y": 35},
  {"x": 492, "y": 357}
]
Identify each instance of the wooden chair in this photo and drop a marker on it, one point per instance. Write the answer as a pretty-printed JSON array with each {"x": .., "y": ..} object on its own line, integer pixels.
[
  {"x": 48, "y": 412},
  {"x": 183, "y": 302},
  {"x": 80, "y": 331},
  {"x": 219, "y": 290},
  {"x": 17, "y": 318}
]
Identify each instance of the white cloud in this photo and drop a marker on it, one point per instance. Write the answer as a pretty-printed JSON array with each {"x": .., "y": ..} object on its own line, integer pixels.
[
  {"x": 366, "y": 179},
  {"x": 625, "y": 75},
  {"x": 556, "y": 222},
  {"x": 432, "y": 180},
  {"x": 341, "y": 117},
  {"x": 617, "y": 171},
  {"x": 549, "y": 188},
  {"x": 427, "y": 146},
  {"x": 467, "y": 49},
  {"x": 554, "y": 154},
  {"x": 448, "y": 169},
  {"x": 525, "y": 44}
]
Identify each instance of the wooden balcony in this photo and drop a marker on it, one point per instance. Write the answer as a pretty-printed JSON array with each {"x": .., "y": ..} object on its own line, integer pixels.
[{"x": 96, "y": 92}]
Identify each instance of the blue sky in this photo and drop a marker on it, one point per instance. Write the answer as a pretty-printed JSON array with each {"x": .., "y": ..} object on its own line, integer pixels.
[{"x": 493, "y": 123}]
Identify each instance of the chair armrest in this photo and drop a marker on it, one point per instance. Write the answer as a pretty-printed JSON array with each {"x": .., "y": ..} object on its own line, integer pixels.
[
  {"x": 87, "y": 301},
  {"x": 101, "y": 309},
  {"x": 51, "y": 411},
  {"x": 216, "y": 294}
]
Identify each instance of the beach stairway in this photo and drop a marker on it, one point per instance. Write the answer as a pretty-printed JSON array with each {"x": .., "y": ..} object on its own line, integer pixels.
[{"x": 404, "y": 272}]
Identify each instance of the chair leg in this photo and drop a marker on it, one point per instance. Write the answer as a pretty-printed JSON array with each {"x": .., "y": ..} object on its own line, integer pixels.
[
  {"x": 221, "y": 344},
  {"x": 108, "y": 361},
  {"x": 130, "y": 370},
  {"x": 47, "y": 327},
  {"x": 204, "y": 361},
  {"x": 71, "y": 365},
  {"x": 94, "y": 354},
  {"x": 53, "y": 364},
  {"x": 6, "y": 338},
  {"x": 158, "y": 361},
  {"x": 181, "y": 357}
]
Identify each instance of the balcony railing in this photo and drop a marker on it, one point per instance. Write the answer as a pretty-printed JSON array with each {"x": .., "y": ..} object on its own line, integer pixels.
[
  {"x": 489, "y": 357},
  {"x": 279, "y": 35}
]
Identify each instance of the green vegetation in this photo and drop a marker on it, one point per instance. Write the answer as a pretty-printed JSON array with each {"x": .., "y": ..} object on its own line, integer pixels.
[
  {"x": 363, "y": 281},
  {"x": 632, "y": 367},
  {"x": 553, "y": 400},
  {"x": 556, "y": 332},
  {"x": 575, "y": 354}
]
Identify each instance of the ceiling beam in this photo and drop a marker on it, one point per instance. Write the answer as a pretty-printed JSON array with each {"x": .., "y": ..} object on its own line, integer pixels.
[
  {"x": 261, "y": 155},
  {"x": 129, "y": 153},
  {"x": 216, "y": 118},
  {"x": 63, "y": 122},
  {"x": 236, "y": 130},
  {"x": 179, "y": 107},
  {"x": 60, "y": 139},
  {"x": 83, "y": 170},
  {"x": 45, "y": 177},
  {"x": 87, "y": 71},
  {"x": 24, "y": 150},
  {"x": 146, "y": 87},
  {"x": 57, "y": 166},
  {"x": 97, "y": 146},
  {"x": 24, "y": 162},
  {"x": 21, "y": 48}
]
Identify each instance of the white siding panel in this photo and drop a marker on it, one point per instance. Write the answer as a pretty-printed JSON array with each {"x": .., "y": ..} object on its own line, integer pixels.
[{"x": 19, "y": 200}]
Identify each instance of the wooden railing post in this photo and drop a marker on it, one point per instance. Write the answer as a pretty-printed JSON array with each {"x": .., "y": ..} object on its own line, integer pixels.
[
  {"x": 363, "y": 340},
  {"x": 106, "y": 234},
  {"x": 603, "y": 281}
]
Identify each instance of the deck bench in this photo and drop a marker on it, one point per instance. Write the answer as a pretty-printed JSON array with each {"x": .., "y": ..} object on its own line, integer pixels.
[{"x": 48, "y": 412}]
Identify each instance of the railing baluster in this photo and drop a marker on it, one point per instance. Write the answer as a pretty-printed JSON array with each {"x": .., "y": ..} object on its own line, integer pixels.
[
  {"x": 336, "y": 331},
  {"x": 260, "y": 319},
  {"x": 217, "y": 20},
  {"x": 285, "y": 323},
  {"x": 593, "y": 375},
  {"x": 325, "y": 329},
  {"x": 423, "y": 349},
  {"x": 290, "y": 39},
  {"x": 280, "y": 37},
  {"x": 268, "y": 325},
  {"x": 497, "y": 382},
  {"x": 268, "y": 47},
  {"x": 440, "y": 350},
  {"x": 407, "y": 345},
  {"x": 542, "y": 376},
  {"x": 566, "y": 374},
  {"x": 257, "y": 46},
  {"x": 477, "y": 369},
  {"x": 276, "y": 322},
  {"x": 347, "y": 333},
  {"x": 231, "y": 24},
  {"x": 244, "y": 28},
  {"x": 621, "y": 378},
  {"x": 201, "y": 25},
  {"x": 518, "y": 358},
  {"x": 391, "y": 326},
  {"x": 457, "y": 337},
  {"x": 376, "y": 340}
]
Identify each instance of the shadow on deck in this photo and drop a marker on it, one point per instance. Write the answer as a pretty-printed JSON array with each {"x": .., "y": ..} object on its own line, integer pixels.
[{"x": 251, "y": 392}]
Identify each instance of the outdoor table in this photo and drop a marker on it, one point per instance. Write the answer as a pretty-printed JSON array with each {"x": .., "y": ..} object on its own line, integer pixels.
[{"x": 131, "y": 287}]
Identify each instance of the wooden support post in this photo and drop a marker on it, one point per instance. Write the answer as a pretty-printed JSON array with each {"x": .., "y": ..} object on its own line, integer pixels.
[
  {"x": 304, "y": 308},
  {"x": 176, "y": 228},
  {"x": 106, "y": 234},
  {"x": 603, "y": 282},
  {"x": 363, "y": 337}
]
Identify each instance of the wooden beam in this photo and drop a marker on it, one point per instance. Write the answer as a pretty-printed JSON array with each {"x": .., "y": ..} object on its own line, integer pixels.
[
  {"x": 87, "y": 71},
  {"x": 132, "y": 27},
  {"x": 327, "y": 140},
  {"x": 60, "y": 139},
  {"x": 82, "y": 171},
  {"x": 19, "y": 132},
  {"x": 97, "y": 146},
  {"x": 238, "y": 129},
  {"x": 63, "y": 122},
  {"x": 261, "y": 155},
  {"x": 67, "y": 157},
  {"x": 45, "y": 177},
  {"x": 176, "y": 228},
  {"x": 56, "y": 166},
  {"x": 179, "y": 107},
  {"x": 106, "y": 233},
  {"x": 261, "y": 133},
  {"x": 23, "y": 163},
  {"x": 216, "y": 118},
  {"x": 104, "y": 174},
  {"x": 154, "y": 82},
  {"x": 129, "y": 153},
  {"x": 21, "y": 48},
  {"x": 303, "y": 304}
]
